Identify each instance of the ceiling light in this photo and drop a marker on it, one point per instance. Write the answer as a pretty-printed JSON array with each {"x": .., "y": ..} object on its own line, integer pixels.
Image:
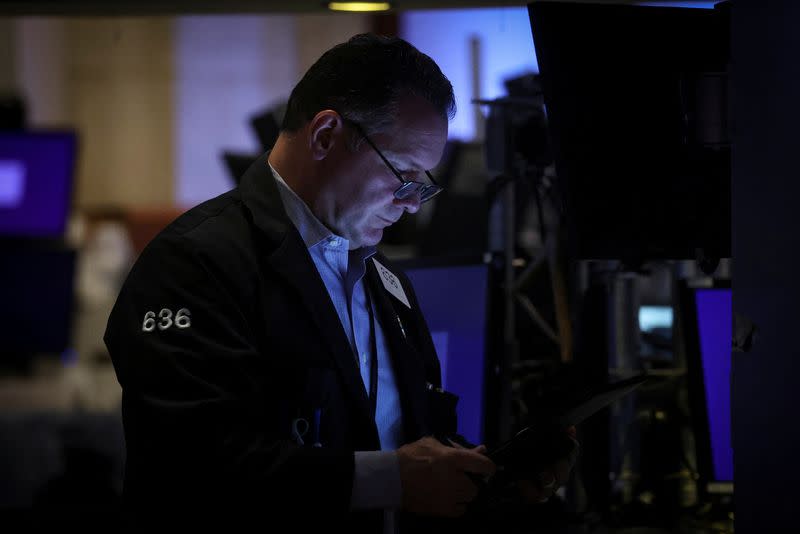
[{"x": 359, "y": 6}]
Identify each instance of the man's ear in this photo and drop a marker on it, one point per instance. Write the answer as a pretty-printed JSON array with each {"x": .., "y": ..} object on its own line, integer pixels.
[{"x": 325, "y": 130}]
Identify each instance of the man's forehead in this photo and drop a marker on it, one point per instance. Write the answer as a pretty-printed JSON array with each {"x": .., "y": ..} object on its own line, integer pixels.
[
  {"x": 416, "y": 112},
  {"x": 417, "y": 147},
  {"x": 419, "y": 132}
]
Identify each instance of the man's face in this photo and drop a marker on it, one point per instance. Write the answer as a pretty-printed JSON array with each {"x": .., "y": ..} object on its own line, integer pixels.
[{"x": 361, "y": 187}]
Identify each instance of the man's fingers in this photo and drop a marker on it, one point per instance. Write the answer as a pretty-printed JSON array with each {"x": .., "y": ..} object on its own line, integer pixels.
[
  {"x": 533, "y": 492},
  {"x": 547, "y": 480},
  {"x": 562, "y": 470},
  {"x": 473, "y": 462},
  {"x": 480, "y": 449},
  {"x": 572, "y": 457}
]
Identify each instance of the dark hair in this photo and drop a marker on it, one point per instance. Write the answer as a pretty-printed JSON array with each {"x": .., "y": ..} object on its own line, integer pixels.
[{"x": 363, "y": 80}]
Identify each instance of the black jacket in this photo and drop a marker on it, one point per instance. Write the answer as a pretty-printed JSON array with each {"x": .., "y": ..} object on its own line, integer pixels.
[{"x": 222, "y": 335}]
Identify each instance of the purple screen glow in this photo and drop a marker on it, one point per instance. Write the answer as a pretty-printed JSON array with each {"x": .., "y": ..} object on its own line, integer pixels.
[
  {"x": 36, "y": 171},
  {"x": 453, "y": 301},
  {"x": 714, "y": 326}
]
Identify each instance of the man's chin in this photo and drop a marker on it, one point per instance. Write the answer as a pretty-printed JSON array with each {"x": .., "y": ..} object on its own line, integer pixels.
[{"x": 372, "y": 237}]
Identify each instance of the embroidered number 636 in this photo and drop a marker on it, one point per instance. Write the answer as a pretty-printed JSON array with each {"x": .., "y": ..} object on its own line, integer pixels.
[{"x": 165, "y": 319}]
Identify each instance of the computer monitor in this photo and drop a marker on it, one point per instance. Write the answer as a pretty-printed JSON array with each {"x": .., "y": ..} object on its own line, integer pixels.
[
  {"x": 655, "y": 318},
  {"x": 636, "y": 104},
  {"x": 36, "y": 181},
  {"x": 454, "y": 298},
  {"x": 655, "y": 327},
  {"x": 37, "y": 291},
  {"x": 707, "y": 323}
]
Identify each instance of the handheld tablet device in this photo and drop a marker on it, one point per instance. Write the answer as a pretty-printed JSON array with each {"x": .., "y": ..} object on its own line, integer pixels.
[{"x": 538, "y": 446}]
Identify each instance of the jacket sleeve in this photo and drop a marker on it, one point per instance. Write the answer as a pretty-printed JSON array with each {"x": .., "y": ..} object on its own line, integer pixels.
[{"x": 202, "y": 411}]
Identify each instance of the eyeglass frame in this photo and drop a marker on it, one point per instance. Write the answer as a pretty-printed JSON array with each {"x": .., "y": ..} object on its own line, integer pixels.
[{"x": 402, "y": 192}]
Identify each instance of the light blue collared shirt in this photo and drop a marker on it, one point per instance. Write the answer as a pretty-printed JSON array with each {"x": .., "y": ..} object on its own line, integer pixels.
[{"x": 377, "y": 474}]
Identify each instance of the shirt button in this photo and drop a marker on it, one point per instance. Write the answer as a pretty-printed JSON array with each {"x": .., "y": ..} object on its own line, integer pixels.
[
  {"x": 333, "y": 241},
  {"x": 364, "y": 358}
]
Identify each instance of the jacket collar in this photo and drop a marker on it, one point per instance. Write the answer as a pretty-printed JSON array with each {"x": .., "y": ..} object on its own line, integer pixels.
[
  {"x": 288, "y": 256},
  {"x": 407, "y": 361},
  {"x": 260, "y": 195}
]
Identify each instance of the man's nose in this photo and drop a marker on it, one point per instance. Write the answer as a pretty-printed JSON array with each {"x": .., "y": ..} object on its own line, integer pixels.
[{"x": 411, "y": 203}]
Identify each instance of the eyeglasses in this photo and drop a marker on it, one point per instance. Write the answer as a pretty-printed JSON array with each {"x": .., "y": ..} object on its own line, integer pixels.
[{"x": 408, "y": 187}]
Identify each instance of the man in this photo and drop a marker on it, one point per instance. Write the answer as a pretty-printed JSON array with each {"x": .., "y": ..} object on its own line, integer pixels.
[{"x": 274, "y": 366}]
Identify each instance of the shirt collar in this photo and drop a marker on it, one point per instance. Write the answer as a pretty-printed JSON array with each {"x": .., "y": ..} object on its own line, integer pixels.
[{"x": 311, "y": 229}]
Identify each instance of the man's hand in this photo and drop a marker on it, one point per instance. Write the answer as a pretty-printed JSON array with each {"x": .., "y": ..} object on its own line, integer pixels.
[
  {"x": 436, "y": 479},
  {"x": 547, "y": 483}
]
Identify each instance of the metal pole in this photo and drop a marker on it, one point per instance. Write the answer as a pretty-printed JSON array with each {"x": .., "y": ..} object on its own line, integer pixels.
[{"x": 510, "y": 345}]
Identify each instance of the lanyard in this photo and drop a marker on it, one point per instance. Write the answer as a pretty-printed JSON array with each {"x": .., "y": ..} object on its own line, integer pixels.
[{"x": 373, "y": 347}]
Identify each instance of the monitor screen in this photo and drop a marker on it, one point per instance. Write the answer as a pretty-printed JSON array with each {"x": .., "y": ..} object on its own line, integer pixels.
[
  {"x": 655, "y": 318},
  {"x": 714, "y": 312},
  {"x": 454, "y": 301},
  {"x": 37, "y": 289},
  {"x": 655, "y": 327},
  {"x": 36, "y": 175}
]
